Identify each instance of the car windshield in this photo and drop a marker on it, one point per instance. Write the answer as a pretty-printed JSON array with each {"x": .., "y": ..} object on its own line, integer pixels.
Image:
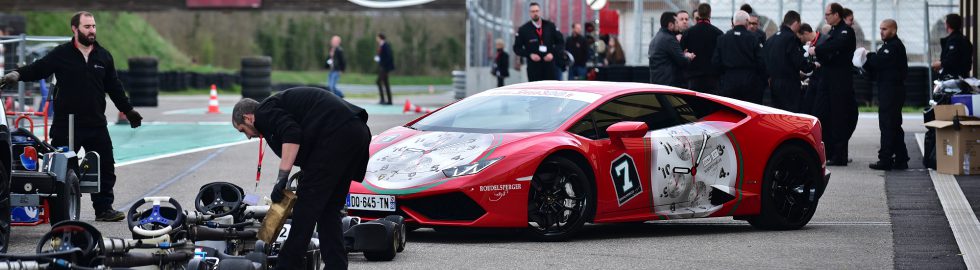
[{"x": 496, "y": 113}]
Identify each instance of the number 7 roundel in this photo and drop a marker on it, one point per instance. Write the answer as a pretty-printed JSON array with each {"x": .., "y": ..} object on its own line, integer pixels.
[{"x": 625, "y": 178}]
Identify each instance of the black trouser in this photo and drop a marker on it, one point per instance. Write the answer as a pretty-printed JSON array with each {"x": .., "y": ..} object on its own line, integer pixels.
[
  {"x": 540, "y": 71},
  {"x": 500, "y": 81},
  {"x": 322, "y": 193},
  {"x": 704, "y": 84},
  {"x": 787, "y": 94},
  {"x": 842, "y": 110},
  {"x": 891, "y": 97},
  {"x": 741, "y": 84},
  {"x": 383, "y": 86},
  {"x": 94, "y": 139}
]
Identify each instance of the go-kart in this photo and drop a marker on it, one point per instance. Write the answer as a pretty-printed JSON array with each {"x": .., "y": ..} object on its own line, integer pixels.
[{"x": 46, "y": 183}]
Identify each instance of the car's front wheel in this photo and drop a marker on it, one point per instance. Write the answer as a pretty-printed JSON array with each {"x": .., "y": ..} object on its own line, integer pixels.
[
  {"x": 790, "y": 189},
  {"x": 560, "y": 200}
]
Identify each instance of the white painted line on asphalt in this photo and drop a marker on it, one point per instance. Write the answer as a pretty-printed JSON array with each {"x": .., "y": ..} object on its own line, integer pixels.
[
  {"x": 735, "y": 223},
  {"x": 905, "y": 116},
  {"x": 176, "y": 178},
  {"x": 962, "y": 221},
  {"x": 194, "y": 150}
]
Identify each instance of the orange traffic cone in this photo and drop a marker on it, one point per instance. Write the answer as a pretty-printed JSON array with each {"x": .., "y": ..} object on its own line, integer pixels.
[
  {"x": 408, "y": 106},
  {"x": 431, "y": 89},
  {"x": 213, "y": 100}
]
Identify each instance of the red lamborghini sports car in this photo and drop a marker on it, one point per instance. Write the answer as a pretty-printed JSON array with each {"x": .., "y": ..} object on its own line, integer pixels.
[{"x": 551, "y": 156}]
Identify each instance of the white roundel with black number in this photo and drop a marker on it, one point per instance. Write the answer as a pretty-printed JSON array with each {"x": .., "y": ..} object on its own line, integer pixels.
[
  {"x": 421, "y": 159},
  {"x": 683, "y": 184},
  {"x": 626, "y": 180}
]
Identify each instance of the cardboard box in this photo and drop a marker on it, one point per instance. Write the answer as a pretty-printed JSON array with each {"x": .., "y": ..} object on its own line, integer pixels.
[
  {"x": 957, "y": 144},
  {"x": 972, "y": 103},
  {"x": 276, "y": 218}
]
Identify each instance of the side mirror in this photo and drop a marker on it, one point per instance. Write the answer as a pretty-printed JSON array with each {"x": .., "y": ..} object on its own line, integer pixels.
[{"x": 627, "y": 129}]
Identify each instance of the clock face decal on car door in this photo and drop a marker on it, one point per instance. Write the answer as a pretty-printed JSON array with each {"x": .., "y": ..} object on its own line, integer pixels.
[
  {"x": 420, "y": 160},
  {"x": 689, "y": 161}
]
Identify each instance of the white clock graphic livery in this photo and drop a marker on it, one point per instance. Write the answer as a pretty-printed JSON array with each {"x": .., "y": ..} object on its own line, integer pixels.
[{"x": 420, "y": 160}]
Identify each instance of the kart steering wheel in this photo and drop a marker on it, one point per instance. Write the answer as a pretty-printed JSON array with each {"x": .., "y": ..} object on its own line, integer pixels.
[
  {"x": 219, "y": 199},
  {"x": 68, "y": 235},
  {"x": 152, "y": 223}
]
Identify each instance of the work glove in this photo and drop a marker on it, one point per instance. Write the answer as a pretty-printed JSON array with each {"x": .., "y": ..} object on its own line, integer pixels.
[
  {"x": 10, "y": 78},
  {"x": 135, "y": 119},
  {"x": 277, "y": 191}
]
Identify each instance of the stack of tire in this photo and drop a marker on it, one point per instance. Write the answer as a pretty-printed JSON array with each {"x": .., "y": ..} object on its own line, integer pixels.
[
  {"x": 143, "y": 82},
  {"x": 256, "y": 77}
]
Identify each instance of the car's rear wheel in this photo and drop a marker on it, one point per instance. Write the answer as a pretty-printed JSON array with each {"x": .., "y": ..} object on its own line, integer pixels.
[
  {"x": 790, "y": 189},
  {"x": 4, "y": 208},
  {"x": 560, "y": 200}
]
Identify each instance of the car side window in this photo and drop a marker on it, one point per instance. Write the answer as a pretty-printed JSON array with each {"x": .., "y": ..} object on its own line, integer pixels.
[
  {"x": 690, "y": 108},
  {"x": 584, "y": 127},
  {"x": 641, "y": 108}
]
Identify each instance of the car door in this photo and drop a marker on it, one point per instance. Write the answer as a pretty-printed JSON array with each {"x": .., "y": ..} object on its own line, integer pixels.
[
  {"x": 623, "y": 171},
  {"x": 694, "y": 163}
]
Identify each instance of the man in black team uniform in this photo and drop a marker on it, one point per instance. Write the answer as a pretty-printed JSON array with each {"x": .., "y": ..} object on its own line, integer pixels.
[
  {"x": 540, "y": 42},
  {"x": 839, "y": 117},
  {"x": 86, "y": 73},
  {"x": 784, "y": 62},
  {"x": 738, "y": 55},
  {"x": 326, "y": 137},
  {"x": 889, "y": 66},
  {"x": 956, "y": 58}
]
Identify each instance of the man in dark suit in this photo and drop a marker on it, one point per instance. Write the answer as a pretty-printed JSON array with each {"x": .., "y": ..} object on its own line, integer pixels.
[
  {"x": 665, "y": 54},
  {"x": 386, "y": 63},
  {"x": 840, "y": 112}
]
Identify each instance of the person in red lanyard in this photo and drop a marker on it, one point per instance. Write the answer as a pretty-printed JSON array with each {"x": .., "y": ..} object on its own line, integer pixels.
[
  {"x": 539, "y": 41},
  {"x": 328, "y": 138},
  {"x": 700, "y": 40},
  {"x": 86, "y": 74},
  {"x": 501, "y": 64}
]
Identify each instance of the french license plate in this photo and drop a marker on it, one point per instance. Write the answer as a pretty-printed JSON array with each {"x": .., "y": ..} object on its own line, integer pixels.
[{"x": 371, "y": 202}]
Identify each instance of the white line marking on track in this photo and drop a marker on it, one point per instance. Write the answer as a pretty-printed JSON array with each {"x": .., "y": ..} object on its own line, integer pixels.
[
  {"x": 962, "y": 220},
  {"x": 730, "y": 223},
  {"x": 194, "y": 150}
]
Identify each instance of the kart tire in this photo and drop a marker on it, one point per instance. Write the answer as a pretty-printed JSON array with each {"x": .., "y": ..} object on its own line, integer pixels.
[
  {"x": 4, "y": 208},
  {"x": 791, "y": 189},
  {"x": 390, "y": 251},
  {"x": 576, "y": 181},
  {"x": 67, "y": 204},
  {"x": 400, "y": 230},
  {"x": 347, "y": 223}
]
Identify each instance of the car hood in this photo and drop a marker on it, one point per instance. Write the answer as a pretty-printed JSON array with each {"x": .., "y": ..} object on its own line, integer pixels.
[{"x": 403, "y": 158}]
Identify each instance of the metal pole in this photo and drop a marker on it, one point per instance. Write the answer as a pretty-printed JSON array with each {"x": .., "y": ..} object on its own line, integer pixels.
[
  {"x": 638, "y": 29},
  {"x": 780, "y": 14},
  {"x": 71, "y": 132},
  {"x": 928, "y": 50},
  {"x": 874, "y": 19},
  {"x": 21, "y": 61}
]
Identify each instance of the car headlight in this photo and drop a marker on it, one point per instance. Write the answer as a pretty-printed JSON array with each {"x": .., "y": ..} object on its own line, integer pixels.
[{"x": 471, "y": 168}]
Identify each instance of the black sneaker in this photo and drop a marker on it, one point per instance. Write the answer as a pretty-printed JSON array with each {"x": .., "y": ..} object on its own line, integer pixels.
[
  {"x": 110, "y": 215},
  {"x": 881, "y": 166}
]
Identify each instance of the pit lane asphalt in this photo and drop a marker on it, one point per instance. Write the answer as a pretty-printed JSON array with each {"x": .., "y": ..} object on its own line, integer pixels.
[{"x": 851, "y": 228}]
